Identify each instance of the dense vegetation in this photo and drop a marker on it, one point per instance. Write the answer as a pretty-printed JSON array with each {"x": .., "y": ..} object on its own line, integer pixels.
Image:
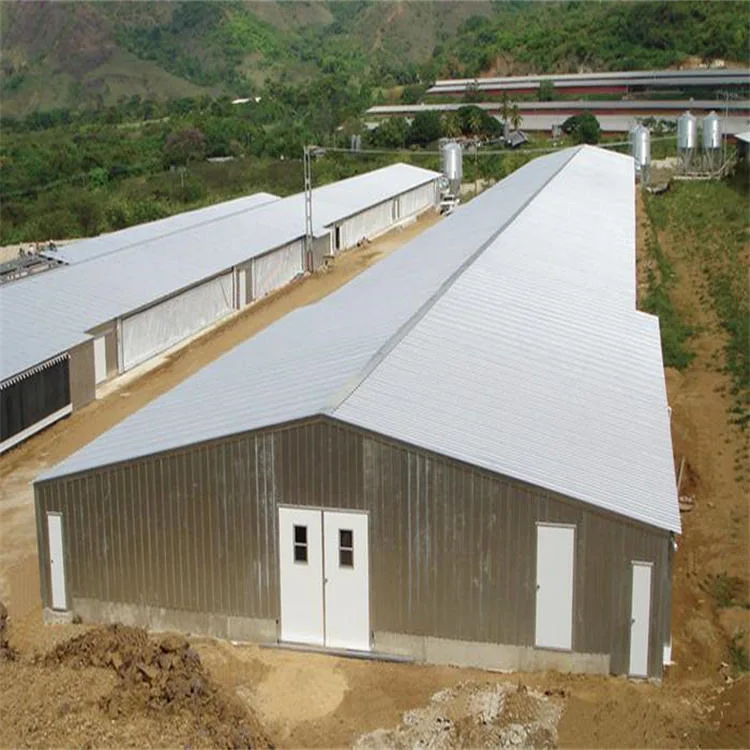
[
  {"x": 110, "y": 109},
  {"x": 569, "y": 36},
  {"x": 68, "y": 175},
  {"x": 91, "y": 54}
]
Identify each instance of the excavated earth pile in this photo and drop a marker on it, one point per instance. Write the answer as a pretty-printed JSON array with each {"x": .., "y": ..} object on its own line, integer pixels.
[
  {"x": 7, "y": 652},
  {"x": 487, "y": 715},
  {"x": 160, "y": 676}
]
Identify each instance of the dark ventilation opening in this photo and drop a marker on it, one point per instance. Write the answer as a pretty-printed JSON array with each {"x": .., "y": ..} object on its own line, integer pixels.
[{"x": 31, "y": 399}]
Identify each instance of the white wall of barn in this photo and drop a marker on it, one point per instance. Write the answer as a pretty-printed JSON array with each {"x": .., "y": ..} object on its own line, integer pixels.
[
  {"x": 158, "y": 327},
  {"x": 379, "y": 219},
  {"x": 275, "y": 269}
]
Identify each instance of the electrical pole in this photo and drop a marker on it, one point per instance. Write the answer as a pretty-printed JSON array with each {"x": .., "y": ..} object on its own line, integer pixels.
[{"x": 308, "y": 208}]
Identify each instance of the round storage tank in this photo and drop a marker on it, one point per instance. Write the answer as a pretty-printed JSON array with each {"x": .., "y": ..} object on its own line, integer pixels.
[
  {"x": 452, "y": 163},
  {"x": 640, "y": 139},
  {"x": 687, "y": 132},
  {"x": 711, "y": 132}
]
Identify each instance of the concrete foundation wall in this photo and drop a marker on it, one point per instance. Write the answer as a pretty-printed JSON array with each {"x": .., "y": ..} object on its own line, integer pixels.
[
  {"x": 157, "y": 619},
  {"x": 488, "y": 655}
]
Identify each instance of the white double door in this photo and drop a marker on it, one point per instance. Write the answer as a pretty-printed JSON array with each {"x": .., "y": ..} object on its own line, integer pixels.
[{"x": 324, "y": 578}]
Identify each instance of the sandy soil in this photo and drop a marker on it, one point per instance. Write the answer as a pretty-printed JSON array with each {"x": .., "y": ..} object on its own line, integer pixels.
[{"x": 313, "y": 700}]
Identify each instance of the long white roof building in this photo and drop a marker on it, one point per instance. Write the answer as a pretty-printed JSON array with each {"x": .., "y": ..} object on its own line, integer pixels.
[
  {"x": 506, "y": 337},
  {"x": 115, "y": 274}
]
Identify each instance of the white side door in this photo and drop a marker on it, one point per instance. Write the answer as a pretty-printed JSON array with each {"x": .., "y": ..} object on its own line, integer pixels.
[
  {"x": 640, "y": 616},
  {"x": 301, "y": 575},
  {"x": 347, "y": 580},
  {"x": 56, "y": 561},
  {"x": 555, "y": 556},
  {"x": 100, "y": 360}
]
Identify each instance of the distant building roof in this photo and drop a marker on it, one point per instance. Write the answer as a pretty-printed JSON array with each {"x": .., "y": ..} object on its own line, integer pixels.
[
  {"x": 505, "y": 337},
  {"x": 665, "y": 78}
]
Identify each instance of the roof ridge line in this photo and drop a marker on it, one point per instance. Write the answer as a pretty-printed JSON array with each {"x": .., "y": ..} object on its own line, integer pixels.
[{"x": 354, "y": 383}]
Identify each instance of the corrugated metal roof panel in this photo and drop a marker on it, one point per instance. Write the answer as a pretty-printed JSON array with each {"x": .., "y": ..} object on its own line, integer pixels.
[
  {"x": 304, "y": 360},
  {"x": 506, "y": 337},
  {"x": 93, "y": 247},
  {"x": 50, "y": 312}
]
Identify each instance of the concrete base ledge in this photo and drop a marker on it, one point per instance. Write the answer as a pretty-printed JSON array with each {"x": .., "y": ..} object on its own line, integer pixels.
[
  {"x": 56, "y": 616},
  {"x": 489, "y": 655},
  {"x": 228, "y": 627},
  {"x": 386, "y": 645},
  {"x": 345, "y": 652}
]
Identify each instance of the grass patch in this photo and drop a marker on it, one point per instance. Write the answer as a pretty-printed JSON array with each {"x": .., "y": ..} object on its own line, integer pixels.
[
  {"x": 738, "y": 656},
  {"x": 724, "y": 589},
  {"x": 709, "y": 224},
  {"x": 674, "y": 331}
]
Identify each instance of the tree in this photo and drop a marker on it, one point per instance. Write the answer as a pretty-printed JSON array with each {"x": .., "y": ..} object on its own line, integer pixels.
[
  {"x": 505, "y": 107},
  {"x": 472, "y": 92},
  {"x": 515, "y": 117},
  {"x": 546, "y": 91},
  {"x": 584, "y": 128},
  {"x": 413, "y": 93},
  {"x": 391, "y": 133},
  {"x": 475, "y": 121},
  {"x": 184, "y": 146},
  {"x": 451, "y": 125},
  {"x": 425, "y": 128}
]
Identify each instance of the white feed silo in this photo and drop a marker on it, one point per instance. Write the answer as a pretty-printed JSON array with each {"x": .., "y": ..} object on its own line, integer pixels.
[
  {"x": 687, "y": 139},
  {"x": 451, "y": 162},
  {"x": 640, "y": 144},
  {"x": 712, "y": 140}
]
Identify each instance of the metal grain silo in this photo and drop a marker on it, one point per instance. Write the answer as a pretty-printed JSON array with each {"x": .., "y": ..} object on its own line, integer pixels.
[
  {"x": 451, "y": 162},
  {"x": 711, "y": 132},
  {"x": 687, "y": 132},
  {"x": 687, "y": 139},
  {"x": 640, "y": 143}
]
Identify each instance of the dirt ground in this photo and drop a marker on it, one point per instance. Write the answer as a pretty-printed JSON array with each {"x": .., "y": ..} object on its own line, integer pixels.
[{"x": 298, "y": 699}]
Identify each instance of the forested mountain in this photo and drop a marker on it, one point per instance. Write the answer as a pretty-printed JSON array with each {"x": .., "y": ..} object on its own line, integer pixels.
[
  {"x": 110, "y": 110},
  {"x": 81, "y": 54}
]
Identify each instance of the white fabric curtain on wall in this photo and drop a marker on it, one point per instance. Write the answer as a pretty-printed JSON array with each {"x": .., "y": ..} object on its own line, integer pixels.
[
  {"x": 153, "y": 330},
  {"x": 277, "y": 268},
  {"x": 416, "y": 201},
  {"x": 370, "y": 224},
  {"x": 379, "y": 219}
]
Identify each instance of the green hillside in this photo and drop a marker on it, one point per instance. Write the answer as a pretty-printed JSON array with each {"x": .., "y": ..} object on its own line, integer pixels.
[
  {"x": 83, "y": 54},
  {"x": 110, "y": 109}
]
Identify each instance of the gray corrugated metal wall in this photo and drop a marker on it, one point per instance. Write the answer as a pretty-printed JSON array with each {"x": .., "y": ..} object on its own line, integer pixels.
[
  {"x": 110, "y": 346},
  {"x": 82, "y": 378},
  {"x": 196, "y": 530}
]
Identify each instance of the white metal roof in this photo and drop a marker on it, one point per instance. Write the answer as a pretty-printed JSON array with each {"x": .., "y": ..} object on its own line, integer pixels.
[
  {"x": 639, "y": 108},
  {"x": 111, "y": 242},
  {"x": 50, "y": 312},
  {"x": 711, "y": 76},
  {"x": 744, "y": 137},
  {"x": 506, "y": 337}
]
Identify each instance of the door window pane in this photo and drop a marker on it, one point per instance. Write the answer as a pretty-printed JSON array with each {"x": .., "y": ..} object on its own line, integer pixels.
[
  {"x": 300, "y": 544},
  {"x": 346, "y": 548}
]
